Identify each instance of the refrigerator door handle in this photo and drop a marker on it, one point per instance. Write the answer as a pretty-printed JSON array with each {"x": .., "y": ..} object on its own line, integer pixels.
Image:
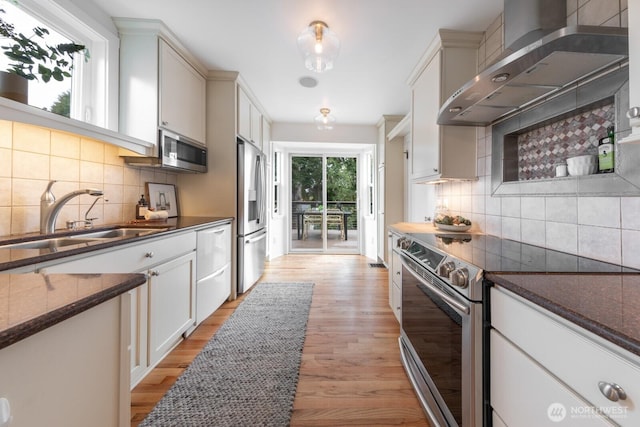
[
  {"x": 261, "y": 187},
  {"x": 256, "y": 239}
]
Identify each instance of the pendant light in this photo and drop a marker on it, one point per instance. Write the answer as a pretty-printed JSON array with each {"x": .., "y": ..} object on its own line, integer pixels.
[
  {"x": 325, "y": 121},
  {"x": 319, "y": 46}
]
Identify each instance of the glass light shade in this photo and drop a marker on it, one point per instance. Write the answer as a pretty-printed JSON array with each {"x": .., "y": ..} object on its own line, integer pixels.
[
  {"x": 319, "y": 46},
  {"x": 324, "y": 121}
]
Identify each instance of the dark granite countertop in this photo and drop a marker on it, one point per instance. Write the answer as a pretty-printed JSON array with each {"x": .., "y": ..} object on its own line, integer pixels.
[
  {"x": 605, "y": 304},
  {"x": 19, "y": 257},
  {"x": 30, "y": 303}
]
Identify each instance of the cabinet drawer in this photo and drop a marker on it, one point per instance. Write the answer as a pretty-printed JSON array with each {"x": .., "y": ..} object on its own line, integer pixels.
[
  {"x": 129, "y": 258},
  {"x": 514, "y": 376},
  {"x": 214, "y": 249},
  {"x": 212, "y": 292},
  {"x": 568, "y": 353},
  {"x": 396, "y": 268}
]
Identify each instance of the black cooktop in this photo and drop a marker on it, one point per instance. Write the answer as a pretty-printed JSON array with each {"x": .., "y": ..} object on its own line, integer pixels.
[{"x": 497, "y": 255}]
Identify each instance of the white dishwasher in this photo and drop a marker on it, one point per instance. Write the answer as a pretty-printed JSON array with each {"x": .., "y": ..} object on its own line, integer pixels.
[{"x": 213, "y": 267}]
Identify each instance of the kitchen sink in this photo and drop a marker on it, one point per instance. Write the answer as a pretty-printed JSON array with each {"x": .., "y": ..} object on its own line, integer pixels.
[
  {"x": 83, "y": 238},
  {"x": 49, "y": 243},
  {"x": 120, "y": 232}
]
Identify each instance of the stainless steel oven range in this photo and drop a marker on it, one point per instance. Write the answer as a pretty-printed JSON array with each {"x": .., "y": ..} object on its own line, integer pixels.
[
  {"x": 442, "y": 322},
  {"x": 441, "y": 335}
]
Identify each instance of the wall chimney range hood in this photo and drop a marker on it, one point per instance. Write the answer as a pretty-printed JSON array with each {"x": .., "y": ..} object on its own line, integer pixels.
[{"x": 543, "y": 56}]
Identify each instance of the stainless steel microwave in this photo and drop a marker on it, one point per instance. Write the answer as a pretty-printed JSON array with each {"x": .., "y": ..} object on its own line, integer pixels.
[{"x": 175, "y": 152}]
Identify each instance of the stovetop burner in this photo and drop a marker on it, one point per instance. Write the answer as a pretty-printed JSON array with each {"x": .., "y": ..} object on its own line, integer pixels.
[{"x": 493, "y": 254}]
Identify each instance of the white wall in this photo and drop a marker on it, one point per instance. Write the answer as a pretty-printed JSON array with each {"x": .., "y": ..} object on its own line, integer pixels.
[{"x": 305, "y": 133}]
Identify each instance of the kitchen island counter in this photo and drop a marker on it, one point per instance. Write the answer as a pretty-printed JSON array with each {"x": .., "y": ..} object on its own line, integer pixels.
[{"x": 30, "y": 303}]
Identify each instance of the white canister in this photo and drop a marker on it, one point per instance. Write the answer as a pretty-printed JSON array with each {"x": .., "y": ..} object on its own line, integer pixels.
[{"x": 561, "y": 170}]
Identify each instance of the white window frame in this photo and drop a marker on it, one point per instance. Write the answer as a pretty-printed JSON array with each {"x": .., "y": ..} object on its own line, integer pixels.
[
  {"x": 95, "y": 82},
  {"x": 277, "y": 183}
]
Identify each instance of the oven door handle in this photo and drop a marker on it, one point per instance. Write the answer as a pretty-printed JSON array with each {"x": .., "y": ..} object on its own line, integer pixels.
[{"x": 456, "y": 305}]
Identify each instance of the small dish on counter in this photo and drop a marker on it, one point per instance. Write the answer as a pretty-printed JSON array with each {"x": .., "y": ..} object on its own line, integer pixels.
[{"x": 459, "y": 227}]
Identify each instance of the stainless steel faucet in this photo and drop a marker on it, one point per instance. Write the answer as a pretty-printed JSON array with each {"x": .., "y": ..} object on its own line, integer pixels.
[{"x": 50, "y": 207}]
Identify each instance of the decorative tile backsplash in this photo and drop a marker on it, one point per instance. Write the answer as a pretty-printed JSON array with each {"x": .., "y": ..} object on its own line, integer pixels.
[
  {"x": 31, "y": 156},
  {"x": 541, "y": 149}
]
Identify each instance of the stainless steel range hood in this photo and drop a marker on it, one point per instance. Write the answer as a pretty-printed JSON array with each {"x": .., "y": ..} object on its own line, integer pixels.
[{"x": 540, "y": 59}]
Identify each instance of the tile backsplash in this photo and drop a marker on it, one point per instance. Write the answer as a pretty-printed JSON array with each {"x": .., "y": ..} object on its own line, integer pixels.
[{"x": 31, "y": 156}]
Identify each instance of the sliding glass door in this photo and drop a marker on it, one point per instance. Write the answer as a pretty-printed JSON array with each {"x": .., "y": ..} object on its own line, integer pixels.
[{"x": 324, "y": 208}]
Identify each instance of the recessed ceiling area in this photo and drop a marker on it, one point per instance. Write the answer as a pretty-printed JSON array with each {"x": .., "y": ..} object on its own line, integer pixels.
[{"x": 381, "y": 42}]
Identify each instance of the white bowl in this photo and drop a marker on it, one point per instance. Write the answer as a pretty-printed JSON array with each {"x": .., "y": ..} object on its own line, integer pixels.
[{"x": 582, "y": 165}]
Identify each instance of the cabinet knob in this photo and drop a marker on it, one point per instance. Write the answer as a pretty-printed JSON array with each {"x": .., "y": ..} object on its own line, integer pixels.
[
  {"x": 149, "y": 255},
  {"x": 612, "y": 391},
  {"x": 435, "y": 169},
  {"x": 165, "y": 123},
  {"x": 398, "y": 273},
  {"x": 155, "y": 273}
]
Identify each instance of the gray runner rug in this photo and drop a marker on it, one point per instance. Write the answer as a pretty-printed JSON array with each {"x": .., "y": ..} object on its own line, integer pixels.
[{"x": 247, "y": 374}]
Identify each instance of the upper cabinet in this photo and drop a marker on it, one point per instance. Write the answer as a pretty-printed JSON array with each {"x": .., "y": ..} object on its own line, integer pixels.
[
  {"x": 161, "y": 85},
  {"x": 634, "y": 70},
  {"x": 182, "y": 95},
  {"x": 442, "y": 152},
  {"x": 249, "y": 118}
]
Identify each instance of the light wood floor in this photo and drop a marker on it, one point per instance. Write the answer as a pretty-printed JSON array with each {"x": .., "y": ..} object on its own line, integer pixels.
[{"x": 351, "y": 372}]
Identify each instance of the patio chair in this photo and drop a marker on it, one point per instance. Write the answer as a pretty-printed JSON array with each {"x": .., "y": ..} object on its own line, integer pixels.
[
  {"x": 336, "y": 217},
  {"x": 310, "y": 219}
]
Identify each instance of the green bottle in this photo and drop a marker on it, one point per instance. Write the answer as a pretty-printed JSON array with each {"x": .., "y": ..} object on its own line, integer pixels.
[{"x": 606, "y": 152}]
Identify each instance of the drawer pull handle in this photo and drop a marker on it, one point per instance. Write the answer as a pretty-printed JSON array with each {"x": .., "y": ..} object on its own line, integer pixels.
[
  {"x": 613, "y": 392},
  {"x": 149, "y": 255},
  {"x": 398, "y": 273},
  {"x": 155, "y": 273}
]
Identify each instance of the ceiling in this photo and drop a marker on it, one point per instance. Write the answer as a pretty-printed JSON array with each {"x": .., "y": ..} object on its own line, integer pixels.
[{"x": 381, "y": 42}]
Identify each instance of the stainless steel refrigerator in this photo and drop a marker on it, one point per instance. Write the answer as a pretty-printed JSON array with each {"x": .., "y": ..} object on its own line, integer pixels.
[{"x": 252, "y": 214}]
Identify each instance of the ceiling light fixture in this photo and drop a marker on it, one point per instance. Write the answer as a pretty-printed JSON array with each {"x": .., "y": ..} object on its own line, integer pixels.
[
  {"x": 319, "y": 46},
  {"x": 325, "y": 121}
]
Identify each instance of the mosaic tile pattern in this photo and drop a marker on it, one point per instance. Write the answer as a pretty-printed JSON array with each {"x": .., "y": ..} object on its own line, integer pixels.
[{"x": 541, "y": 149}]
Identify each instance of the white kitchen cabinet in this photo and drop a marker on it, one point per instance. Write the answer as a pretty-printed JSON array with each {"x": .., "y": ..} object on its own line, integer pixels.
[
  {"x": 249, "y": 119},
  {"x": 72, "y": 374},
  {"x": 158, "y": 86},
  {"x": 182, "y": 95},
  {"x": 139, "y": 335},
  {"x": 395, "y": 276},
  {"x": 442, "y": 152},
  {"x": 171, "y": 304},
  {"x": 164, "y": 307},
  {"x": 266, "y": 135},
  {"x": 557, "y": 352},
  {"x": 524, "y": 394},
  {"x": 390, "y": 203},
  {"x": 213, "y": 285},
  {"x": 633, "y": 13}
]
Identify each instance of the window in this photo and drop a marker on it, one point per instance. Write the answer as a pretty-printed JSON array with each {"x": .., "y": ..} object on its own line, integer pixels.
[
  {"x": 370, "y": 187},
  {"x": 277, "y": 177},
  {"x": 91, "y": 96}
]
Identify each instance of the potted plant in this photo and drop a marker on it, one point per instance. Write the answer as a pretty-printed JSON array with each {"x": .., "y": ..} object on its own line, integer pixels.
[{"x": 31, "y": 60}]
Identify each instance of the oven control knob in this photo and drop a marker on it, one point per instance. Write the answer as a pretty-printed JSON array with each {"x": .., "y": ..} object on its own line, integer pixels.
[
  {"x": 460, "y": 277},
  {"x": 445, "y": 269}
]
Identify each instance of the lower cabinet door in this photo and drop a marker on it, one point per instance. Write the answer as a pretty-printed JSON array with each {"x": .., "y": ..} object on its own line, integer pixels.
[
  {"x": 524, "y": 394},
  {"x": 171, "y": 304},
  {"x": 138, "y": 339}
]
